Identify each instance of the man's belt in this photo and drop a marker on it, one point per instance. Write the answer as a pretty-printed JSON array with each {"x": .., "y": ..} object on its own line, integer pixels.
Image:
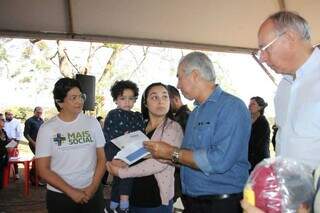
[{"x": 216, "y": 197}]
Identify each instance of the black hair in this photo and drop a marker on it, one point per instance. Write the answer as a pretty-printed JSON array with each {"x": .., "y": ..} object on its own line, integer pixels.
[
  {"x": 173, "y": 91},
  {"x": 99, "y": 118},
  {"x": 35, "y": 109},
  {"x": 119, "y": 86},
  {"x": 260, "y": 102},
  {"x": 144, "y": 109},
  {"x": 61, "y": 88}
]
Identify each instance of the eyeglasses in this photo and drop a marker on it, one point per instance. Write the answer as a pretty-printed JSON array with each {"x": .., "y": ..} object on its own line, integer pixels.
[
  {"x": 127, "y": 98},
  {"x": 265, "y": 47},
  {"x": 82, "y": 97}
]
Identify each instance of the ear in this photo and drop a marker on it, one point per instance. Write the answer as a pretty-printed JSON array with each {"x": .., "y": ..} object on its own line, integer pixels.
[
  {"x": 292, "y": 36},
  {"x": 195, "y": 74}
]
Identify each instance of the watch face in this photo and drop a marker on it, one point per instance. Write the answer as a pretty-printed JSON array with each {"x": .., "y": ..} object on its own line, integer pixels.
[{"x": 175, "y": 156}]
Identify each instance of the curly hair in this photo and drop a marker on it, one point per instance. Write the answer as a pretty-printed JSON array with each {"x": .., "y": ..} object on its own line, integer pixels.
[{"x": 119, "y": 86}]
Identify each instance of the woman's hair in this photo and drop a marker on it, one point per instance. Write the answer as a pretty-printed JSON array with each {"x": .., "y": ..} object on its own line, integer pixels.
[
  {"x": 61, "y": 88},
  {"x": 144, "y": 109},
  {"x": 119, "y": 86},
  {"x": 261, "y": 103}
]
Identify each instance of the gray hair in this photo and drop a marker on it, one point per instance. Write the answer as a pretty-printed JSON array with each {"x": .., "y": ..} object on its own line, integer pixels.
[
  {"x": 201, "y": 62},
  {"x": 290, "y": 20}
]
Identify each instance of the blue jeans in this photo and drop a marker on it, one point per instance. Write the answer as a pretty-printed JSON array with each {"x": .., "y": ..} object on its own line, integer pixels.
[{"x": 161, "y": 209}]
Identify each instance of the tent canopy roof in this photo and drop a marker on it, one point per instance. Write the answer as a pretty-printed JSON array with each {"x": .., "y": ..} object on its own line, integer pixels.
[{"x": 219, "y": 25}]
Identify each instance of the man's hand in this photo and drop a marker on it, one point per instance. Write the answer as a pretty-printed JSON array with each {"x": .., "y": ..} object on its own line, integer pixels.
[{"x": 159, "y": 149}]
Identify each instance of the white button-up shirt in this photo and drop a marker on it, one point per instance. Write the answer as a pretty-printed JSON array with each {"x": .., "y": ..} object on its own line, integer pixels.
[
  {"x": 13, "y": 129},
  {"x": 297, "y": 107}
]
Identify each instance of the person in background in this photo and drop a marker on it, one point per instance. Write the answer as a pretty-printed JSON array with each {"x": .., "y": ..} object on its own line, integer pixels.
[
  {"x": 181, "y": 113},
  {"x": 4, "y": 140},
  {"x": 70, "y": 155},
  {"x": 214, "y": 154},
  {"x": 153, "y": 183},
  {"x": 101, "y": 121},
  {"x": 260, "y": 132},
  {"x": 13, "y": 129},
  {"x": 274, "y": 134},
  {"x": 31, "y": 127},
  {"x": 118, "y": 122}
]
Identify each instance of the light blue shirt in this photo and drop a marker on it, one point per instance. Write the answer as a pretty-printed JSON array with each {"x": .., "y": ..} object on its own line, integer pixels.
[
  {"x": 218, "y": 133},
  {"x": 297, "y": 107}
]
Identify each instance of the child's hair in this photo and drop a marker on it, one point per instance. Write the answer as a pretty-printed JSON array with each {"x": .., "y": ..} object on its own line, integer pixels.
[
  {"x": 119, "y": 86},
  {"x": 62, "y": 87}
]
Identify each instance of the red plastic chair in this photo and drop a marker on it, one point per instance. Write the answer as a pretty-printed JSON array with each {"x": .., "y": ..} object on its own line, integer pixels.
[
  {"x": 26, "y": 161},
  {"x": 13, "y": 152}
]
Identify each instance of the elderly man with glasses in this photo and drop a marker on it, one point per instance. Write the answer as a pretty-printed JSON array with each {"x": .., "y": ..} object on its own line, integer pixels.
[{"x": 285, "y": 46}]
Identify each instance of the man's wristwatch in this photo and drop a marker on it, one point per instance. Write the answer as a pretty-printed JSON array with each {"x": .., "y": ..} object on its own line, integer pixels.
[{"x": 175, "y": 156}]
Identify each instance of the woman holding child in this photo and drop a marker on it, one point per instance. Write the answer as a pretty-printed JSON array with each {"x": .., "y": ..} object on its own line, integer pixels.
[{"x": 153, "y": 184}]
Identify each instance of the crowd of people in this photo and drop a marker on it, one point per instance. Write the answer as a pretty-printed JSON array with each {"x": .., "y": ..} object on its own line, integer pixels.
[{"x": 204, "y": 155}]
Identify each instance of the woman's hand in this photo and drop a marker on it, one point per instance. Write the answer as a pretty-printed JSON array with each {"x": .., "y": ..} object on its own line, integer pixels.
[
  {"x": 78, "y": 196},
  {"x": 113, "y": 169},
  {"x": 90, "y": 191},
  {"x": 119, "y": 163}
]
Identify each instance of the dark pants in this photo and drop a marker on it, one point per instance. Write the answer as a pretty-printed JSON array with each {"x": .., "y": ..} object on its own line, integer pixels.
[
  {"x": 3, "y": 164},
  {"x": 61, "y": 203},
  {"x": 120, "y": 187},
  {"x": 178, "y": 187},
  {"x": 211, "y": 204}
]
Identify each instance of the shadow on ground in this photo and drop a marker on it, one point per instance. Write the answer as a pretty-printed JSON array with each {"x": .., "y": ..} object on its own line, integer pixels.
[{"x": 13, "y": 200}]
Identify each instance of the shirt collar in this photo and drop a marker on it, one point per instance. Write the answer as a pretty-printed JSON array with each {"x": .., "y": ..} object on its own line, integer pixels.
[
  {"x": 310, "y": 65},
  {"x": 215, "y": 94}
]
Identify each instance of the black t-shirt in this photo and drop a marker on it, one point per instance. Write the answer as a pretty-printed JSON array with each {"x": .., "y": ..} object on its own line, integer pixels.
[
  {"x": 3, "y": 142},
  {"x": 145, "y": 190}
]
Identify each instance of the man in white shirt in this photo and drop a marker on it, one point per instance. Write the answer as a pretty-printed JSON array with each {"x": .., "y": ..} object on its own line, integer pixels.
[
  {"x": 14, "y": 131},
  {"x": 285, "y": 46}
]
